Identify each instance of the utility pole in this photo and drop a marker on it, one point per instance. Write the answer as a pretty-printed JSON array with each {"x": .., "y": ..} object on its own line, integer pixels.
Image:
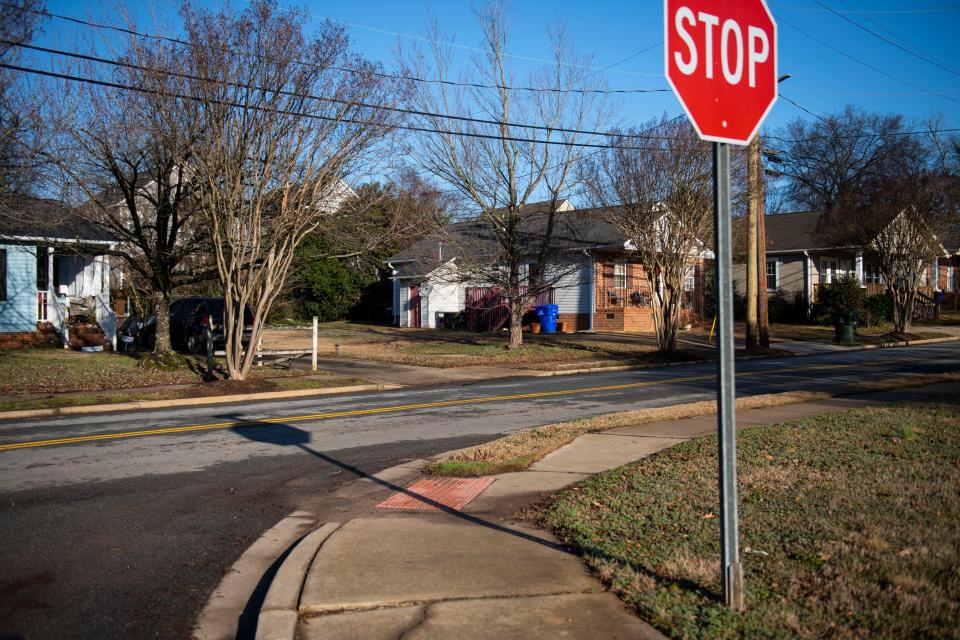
[
  {"x": 758, "y": 213},
  {"x": 753, "y": 170}
]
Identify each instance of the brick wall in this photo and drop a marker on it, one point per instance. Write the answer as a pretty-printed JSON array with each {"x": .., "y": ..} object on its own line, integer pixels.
[
  {"x": 16, "y": 340},
  {"x": 574, "y": 321}
]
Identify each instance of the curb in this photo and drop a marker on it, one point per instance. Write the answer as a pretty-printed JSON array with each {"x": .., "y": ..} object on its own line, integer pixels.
[
  {"x": 225, "y": 608},
  {"x": 278, "y": 615},
  {"x": 190, "y": 402}
]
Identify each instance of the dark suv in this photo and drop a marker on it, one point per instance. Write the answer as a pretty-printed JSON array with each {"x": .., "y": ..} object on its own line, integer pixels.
[{"x": 189, "y": 318}]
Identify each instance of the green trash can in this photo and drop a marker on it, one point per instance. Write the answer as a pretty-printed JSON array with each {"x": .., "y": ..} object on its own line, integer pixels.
[{"x": 845, "y": 329}]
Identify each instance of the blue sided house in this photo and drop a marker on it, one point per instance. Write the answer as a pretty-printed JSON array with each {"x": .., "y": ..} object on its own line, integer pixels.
[{"x": 53, "y": 264}]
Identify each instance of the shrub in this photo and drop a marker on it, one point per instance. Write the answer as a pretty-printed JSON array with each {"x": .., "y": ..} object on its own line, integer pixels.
[
  {"x": 842, "y": 295},
  {"x": 878, "y": 309},
  {"x": 782, "y": 309}
]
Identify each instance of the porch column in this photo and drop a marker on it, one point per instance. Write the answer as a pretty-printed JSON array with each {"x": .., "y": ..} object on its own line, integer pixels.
[
  {"x": 51, "y": 290},
  {"x": 807, "y": 281},
  {"x": 858, "y": 262},
  {"x": 936, "y": 274}
]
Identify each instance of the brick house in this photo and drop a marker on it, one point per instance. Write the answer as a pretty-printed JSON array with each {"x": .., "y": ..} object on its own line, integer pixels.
[{"x": 602, "y": 287}]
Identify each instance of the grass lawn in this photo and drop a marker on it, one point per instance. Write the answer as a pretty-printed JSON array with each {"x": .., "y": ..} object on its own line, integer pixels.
[
  {"x": 33, "y": 379},
  {"x": 848, "y": 528}
]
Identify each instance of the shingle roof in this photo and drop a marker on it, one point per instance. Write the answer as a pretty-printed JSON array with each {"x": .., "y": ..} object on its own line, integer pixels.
[
  {"x": 578, "y": 229},
  {"x": 785, "y": 232},
  {"x": 25, "y": 217}
]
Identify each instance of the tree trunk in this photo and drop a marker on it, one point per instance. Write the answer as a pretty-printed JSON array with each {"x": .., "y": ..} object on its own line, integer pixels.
[
  {"x": 161, "y": 310},
  {"x": 516, "y": 324}
]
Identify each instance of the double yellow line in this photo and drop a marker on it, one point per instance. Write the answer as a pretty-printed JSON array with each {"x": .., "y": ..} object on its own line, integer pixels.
[{"x": 31, "y": 444}]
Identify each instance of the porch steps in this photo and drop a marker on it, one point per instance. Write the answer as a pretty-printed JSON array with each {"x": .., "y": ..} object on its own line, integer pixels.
[{"x": 87, "y": 335}]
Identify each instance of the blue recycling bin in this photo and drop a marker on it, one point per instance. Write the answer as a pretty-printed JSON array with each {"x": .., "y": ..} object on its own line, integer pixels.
[{"x": 548, "y": 313}]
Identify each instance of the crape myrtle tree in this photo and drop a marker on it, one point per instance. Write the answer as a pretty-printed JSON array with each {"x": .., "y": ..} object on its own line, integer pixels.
[
  {"x": 658, "y": 193},
  {"x": 501, "y": 167},
  {"x": 124, "y": 152},
  {"x": 287, "y": 118}
]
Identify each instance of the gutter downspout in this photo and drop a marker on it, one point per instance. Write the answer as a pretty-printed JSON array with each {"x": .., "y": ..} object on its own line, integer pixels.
[{"x": 593, "y": 291}]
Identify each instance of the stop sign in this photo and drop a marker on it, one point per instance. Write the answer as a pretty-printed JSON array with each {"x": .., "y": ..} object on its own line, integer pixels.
[{"x": 721, "y": 60}]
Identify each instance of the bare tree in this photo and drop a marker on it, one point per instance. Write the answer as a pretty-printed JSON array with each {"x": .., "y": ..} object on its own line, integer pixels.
[
  {"x": 287, "y": 118},
  {"x": 659, "y": 196},
  {"x": 822, "y": 159},
  {"x": 20, "y": 120},
  {"x": 522, "y": 153},
  {"x": 125, "y": 151}
]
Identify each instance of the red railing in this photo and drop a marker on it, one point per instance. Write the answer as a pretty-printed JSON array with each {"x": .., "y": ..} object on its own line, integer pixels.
[{"x": 486, "y": 308}]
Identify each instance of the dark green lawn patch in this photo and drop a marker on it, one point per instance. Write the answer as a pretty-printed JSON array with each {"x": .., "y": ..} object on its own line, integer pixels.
[{"x": 848, "y": 527}]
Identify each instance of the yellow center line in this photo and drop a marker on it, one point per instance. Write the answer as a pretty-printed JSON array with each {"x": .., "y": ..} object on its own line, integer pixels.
[{"x": 406, "y": 407}]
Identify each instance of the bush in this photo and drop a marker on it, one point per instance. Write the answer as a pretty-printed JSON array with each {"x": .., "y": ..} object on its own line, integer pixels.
[
  {"x": 781, "y": 309},
  {"x": 878, "y": 309},
  {"x": 842, "y": 295}
]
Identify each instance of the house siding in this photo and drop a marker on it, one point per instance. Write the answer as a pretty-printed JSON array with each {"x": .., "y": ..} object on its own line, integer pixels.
[
  {"x": 18, "y": 313},
  {"x": 572, "y": 291},
  {"x": 442, "y": 298}
]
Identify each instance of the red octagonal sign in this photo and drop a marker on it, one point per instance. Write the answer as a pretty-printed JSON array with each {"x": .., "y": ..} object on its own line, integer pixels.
[{"x": 721, "y": 60}]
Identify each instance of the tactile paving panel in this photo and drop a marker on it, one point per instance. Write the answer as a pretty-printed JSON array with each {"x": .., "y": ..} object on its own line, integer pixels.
[{"x": 435, "y": 493}]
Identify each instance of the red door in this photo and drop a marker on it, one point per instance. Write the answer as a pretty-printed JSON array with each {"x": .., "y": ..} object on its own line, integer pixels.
[{"x": 415, "y": 306}]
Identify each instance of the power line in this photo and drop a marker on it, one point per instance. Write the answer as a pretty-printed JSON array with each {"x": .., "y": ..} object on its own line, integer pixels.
[
  {"x": 429, "y": 114},
  {"x": 861, "y": 62},
  {"x": 379, "y": 74},
  {"x": 889, "y": 12},
  {"x": 313, "y": 116},
  {"x": 886, "y": 39},
  {"x": 880, "y": 25}
]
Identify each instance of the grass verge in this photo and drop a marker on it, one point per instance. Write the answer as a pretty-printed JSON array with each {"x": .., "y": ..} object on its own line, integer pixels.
[
  {"x": 518, "y": 451},
  {"x": 848, "y": 527},
  {"x": 210, "y": 389}
]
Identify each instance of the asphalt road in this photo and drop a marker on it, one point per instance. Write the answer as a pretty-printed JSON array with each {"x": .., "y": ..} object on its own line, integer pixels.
[{"x": 120, "y": 525}]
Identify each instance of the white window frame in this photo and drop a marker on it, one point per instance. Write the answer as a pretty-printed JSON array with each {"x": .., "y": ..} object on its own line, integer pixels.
[
  {"x": 828, "y": 269},
  {"x": 620, "y": 274},
  {"x": 950, "y": 276},
  {"x": 690, "y": 280},
  {"x": 776, "y": 273}
]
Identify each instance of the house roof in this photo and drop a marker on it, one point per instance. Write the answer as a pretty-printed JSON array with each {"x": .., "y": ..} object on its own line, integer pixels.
[
  {"x": 785, "y": 232},
  {"x": 573, "y": 230},
  {"x": 24, "y": 217}
]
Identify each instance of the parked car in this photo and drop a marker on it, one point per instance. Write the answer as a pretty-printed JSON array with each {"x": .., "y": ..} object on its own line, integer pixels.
[{"x": 189, "y": 318}]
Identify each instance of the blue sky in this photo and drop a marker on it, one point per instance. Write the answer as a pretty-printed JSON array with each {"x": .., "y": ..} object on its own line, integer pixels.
[{"x": 823, "y": 80}]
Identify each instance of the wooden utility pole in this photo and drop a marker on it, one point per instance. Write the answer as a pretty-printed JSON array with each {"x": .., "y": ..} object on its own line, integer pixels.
[
  {"x": 758, "y": 204},
  {"x": 753, "y": 170}
]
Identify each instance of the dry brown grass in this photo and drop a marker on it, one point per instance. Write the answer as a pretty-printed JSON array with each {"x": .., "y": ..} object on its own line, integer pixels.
[{"x": 518, "y": 451}]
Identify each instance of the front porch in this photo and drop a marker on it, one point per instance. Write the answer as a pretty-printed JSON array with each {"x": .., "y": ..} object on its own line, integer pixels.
[{"x": 74, "y": 288}]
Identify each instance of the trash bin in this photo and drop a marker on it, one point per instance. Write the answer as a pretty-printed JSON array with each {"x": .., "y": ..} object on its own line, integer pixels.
[
  {"x": 845, "y": 328},
  {"x": 548, "y": 314}
]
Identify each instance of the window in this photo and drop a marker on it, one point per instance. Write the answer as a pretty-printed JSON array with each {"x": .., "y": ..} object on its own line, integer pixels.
[
  {"x": 871, "y": 274},
  {"x": 620, "y": 274},
  {"x": 828, "y": 268},
  {"x": 923, "y": 277},
  {"x": 773, "y": 274},
  {"x": 690, "y": 280},
  {"x": 3, "y": 275},
  {"x": 949, "y": 286}
]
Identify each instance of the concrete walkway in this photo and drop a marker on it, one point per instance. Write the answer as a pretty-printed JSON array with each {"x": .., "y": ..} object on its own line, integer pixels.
[{"x": 476, "y": 572}]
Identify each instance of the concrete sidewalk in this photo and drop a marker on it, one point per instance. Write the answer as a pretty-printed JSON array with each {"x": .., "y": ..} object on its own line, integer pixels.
[{"x": 475, "y": 572}]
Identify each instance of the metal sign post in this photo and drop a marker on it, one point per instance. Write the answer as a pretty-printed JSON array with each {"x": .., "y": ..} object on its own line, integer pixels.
[
  {"x": 731, "y": 569},
  {"x": 727, "y": 92}
]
